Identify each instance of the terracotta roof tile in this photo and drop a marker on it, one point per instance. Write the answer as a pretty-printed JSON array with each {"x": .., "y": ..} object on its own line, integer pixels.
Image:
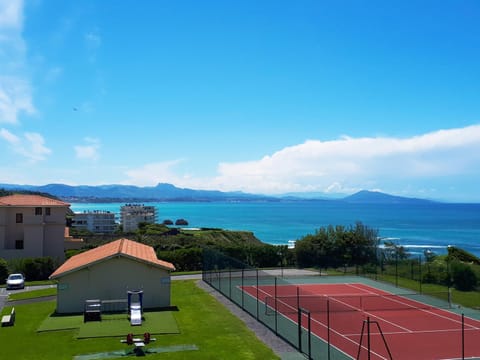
[
  {"x": 122, "y": 247},
  {"x": 30, "y": 200}
]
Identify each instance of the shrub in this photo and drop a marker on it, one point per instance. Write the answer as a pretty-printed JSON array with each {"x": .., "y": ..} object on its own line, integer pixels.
[
  {"x": 464, "y": 278},
  {"x": 430, "y": 278},
  {"x": 34, "y": 268},
  {"x": 3, "y": 271}
]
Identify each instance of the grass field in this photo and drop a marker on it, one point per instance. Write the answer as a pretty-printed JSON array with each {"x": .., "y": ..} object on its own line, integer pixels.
[{"x": 201, "y": 321}]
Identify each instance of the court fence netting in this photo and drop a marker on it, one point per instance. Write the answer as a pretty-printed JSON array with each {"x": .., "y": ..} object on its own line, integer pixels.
[{"x": 286, "y": 309}]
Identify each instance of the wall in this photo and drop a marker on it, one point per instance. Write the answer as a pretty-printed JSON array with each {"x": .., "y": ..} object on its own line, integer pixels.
[
  {"x": 110, "y": 280},
  {"x": 42, "y": 235}
]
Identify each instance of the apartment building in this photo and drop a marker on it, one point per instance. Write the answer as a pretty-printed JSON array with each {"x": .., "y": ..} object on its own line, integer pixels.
[
  {"x": 133, "y": 214},
  {"x": 32, "y": 226},
  {"x": 96, "y": 221}
]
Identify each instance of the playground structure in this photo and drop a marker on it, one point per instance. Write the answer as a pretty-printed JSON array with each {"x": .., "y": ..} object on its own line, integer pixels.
[
  {"x": 135, "y": 309},
  {"x": 138, "y": 342},
  {"x": 93, "y": 311},
  {"x": 93, "y": 308}
]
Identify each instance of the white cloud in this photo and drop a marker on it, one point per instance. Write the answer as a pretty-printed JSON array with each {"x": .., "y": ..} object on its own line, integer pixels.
[
  {"x": 354, "y": 162},
  {"x": 11, "y": 15},
  {"x": 345, "y": 165},
  {"x": 15, "y": 89},
  {"x": 9, "y": 137},
  {"x": 154, "y": 173},
  {"x": 15, "y": 97},
  {"x": 31, "y": 145},
  {"x": 89, "y": 151}
]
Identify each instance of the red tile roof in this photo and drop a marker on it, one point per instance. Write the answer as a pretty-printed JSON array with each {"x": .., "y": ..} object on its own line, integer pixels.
[
  {"x": 120, "y": 247},
  {"x": 30, "y": 200}
]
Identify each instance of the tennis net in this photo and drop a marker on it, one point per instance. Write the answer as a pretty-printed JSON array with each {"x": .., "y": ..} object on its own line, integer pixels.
[{"x": 365, "y": 302}]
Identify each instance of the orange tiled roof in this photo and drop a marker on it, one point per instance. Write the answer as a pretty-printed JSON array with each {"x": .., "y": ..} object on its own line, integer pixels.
[
  {"x": 30, "y": 200},
  {"x": 122, "y": 247}
]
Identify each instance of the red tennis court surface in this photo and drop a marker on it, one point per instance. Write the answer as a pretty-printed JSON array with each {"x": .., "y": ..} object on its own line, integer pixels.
[{"x": 411, "y": 330}]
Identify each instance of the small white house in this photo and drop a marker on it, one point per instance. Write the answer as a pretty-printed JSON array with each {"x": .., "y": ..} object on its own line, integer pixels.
[{"x": 108, "y": 272}]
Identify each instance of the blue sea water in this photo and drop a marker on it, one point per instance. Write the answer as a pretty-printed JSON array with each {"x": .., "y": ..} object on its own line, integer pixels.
[{"x": 418, "y": 227}]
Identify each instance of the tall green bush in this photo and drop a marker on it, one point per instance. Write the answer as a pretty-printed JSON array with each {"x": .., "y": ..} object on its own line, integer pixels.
[
  {"x": 33, "y": 268},
  {"x": 3, "y": 271},
  {"x": 335, "y": 246},
  {"x": 464, "y": 278}
]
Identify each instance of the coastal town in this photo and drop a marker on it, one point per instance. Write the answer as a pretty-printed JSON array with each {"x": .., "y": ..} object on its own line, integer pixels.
[{"x": 239, "y": 180}]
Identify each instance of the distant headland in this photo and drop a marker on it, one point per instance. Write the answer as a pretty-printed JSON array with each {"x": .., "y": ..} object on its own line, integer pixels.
[{"x": 169, "y": 192}]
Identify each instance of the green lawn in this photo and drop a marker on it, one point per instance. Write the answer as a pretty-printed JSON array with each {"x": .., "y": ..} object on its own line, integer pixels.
[
  {"x": 201, "y": 321},
  {"x": 33, "y": 294}
]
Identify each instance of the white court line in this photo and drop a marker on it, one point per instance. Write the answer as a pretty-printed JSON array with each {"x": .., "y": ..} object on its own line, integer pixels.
[
  {"x": 436, "y": 314},
  {"x": 318, "y": 322},
  {"x": 366, "y": 291},
  {"x": 416, "y": 332}
]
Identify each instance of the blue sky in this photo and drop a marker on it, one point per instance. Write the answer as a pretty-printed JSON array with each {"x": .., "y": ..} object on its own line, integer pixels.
[{"x": 264, "y": 97}]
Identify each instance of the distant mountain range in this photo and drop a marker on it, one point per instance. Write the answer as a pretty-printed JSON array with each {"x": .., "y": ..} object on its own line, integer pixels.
[{"x": 169, "y": 192}]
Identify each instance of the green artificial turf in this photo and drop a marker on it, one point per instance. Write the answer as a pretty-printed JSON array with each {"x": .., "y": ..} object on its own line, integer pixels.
[
  {"x": 155, "y": 323},
  {"x": 57, "y": 323},
  {"x": 161, "y": 322}
]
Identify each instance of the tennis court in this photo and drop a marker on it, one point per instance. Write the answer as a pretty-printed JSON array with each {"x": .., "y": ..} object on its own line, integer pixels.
[{"x": 388, "y": 326}]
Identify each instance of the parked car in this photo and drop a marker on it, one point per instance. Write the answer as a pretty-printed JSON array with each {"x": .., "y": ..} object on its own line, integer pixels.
[{"x": 15, "y": 281}]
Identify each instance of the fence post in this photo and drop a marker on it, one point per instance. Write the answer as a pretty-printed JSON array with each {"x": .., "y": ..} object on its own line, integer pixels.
[
  {"x": 298, "y": 297},
  {"x": 276, "y": 321},
  {"x": 230, "y": 283},
  {"x": 420, "y": 280},
  {"x": 243, "y": 289},
  {"x": 257, "y": 292},
  {"x": 299, "y": 320},
  {"x": 463, "y": 336},
  {"x": 328, "y": 328},
  {"x": 396, "y": 268},
  {"x": 309, "y": 336},
  {"x": 368, "y": 336}
]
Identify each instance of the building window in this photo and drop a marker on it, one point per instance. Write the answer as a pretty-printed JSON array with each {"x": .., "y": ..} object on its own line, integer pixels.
[
  {"x": 38, "y": 211},
  {"x": 19, "y": 244},
  {"x": 19, "y": 218},
  {"x": 47, "y": 211}
]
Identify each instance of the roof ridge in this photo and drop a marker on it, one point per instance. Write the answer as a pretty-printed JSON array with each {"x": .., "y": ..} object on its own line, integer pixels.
[{"x": 121, "y": 250}]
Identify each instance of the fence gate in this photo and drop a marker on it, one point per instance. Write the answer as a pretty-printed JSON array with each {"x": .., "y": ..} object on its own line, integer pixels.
[{"x": 304, "y": 334}]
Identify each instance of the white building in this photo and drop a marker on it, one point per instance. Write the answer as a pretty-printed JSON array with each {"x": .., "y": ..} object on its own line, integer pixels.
[
  {"x": 133, "y": 214},
  {"x": 96, "y": 221},
  {"x": 108, "y": 272}
]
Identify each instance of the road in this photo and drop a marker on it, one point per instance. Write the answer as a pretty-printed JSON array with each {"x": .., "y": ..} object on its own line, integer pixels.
[{"x": 4, "y": 293}]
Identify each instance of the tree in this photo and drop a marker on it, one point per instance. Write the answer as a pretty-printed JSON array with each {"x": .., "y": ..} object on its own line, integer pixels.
[
  {"x": 393, "y": 252},
  {"x": 335, "y": 246}
]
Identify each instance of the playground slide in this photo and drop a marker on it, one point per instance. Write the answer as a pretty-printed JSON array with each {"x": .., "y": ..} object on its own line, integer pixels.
[{"x": 135, "y": 314}]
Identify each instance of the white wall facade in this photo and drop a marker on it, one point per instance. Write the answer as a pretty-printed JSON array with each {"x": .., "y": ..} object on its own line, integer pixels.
[
  {"x": 133, "y": 214},
  {"x": 110, "y": 280},
  {"x": 97, "y": 221}
]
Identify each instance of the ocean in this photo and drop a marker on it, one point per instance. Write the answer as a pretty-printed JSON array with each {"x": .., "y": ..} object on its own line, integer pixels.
[{"x": 417, "y": 227}]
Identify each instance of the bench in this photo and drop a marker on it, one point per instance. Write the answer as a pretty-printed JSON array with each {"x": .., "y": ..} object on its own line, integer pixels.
[{"x": 9, "y": 320}]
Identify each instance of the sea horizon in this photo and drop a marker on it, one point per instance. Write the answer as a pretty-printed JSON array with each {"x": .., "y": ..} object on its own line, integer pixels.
[{"x": 417, "y": 227}]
